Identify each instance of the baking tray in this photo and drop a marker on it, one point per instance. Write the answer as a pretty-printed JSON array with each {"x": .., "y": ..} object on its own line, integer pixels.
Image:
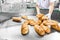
[{"x": 13, "y": 32}]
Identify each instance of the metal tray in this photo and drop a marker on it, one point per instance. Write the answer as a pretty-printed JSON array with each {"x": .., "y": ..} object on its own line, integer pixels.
[{"x": 13, "y": 32}]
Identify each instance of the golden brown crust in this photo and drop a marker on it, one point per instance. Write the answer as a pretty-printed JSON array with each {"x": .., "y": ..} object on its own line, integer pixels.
[
  {"x": 46, "y": 28},
  {"x": 32, "y": 22},
  {"x": 24, "y": 17},
  {"x": 44, "y": 18},
  {"x": 38, "y": 22},
  {"x": 39, "y": 15},
  {"x": 46, "y": 22},
  {"x": 53, "y": 22},
  {"x": 50, "y": 22},
  {"x": 24, "y": 29},
  {"x": 16, "y": 19},
  {"x": 26, "y": 22},
  {"x": 56, "y": 27},
  {"x": 39, "y": 30}
]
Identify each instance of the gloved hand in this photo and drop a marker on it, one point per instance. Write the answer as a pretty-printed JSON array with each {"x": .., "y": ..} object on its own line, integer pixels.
[{"x": 48, "y": 15}]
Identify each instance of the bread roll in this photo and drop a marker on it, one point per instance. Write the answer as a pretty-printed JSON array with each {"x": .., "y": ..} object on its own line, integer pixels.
[
  {"x": 53, "y": 22},
  {"x": 46, "y": 28},
  {"x": 38, "y": 22},
  {"x": 16, "y": 19},
  {"x": 46, "y": 22},
  {"x": 44, "y": 18},
  {"x": 39, "y": 30},
  {"x": 26, "y": 22},
  {"x": 24, "y": 17},
  {"x": 39, "y": 15},
  {"x": 32, "y": 22},
  {"x": 56, "y": 27},
  {"x": 24, "y": 29},
  {"x": 50, "y": 22}
]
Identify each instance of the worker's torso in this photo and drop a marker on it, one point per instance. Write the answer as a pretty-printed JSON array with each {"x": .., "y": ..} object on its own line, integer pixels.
[{"x": 44, "y": 3}]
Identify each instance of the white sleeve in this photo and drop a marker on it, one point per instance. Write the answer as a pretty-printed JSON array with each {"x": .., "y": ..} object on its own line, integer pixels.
[{"x": 52, "y": 0}]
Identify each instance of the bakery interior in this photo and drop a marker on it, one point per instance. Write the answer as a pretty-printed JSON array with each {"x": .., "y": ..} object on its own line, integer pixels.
[{"x": 10, "y": 30}]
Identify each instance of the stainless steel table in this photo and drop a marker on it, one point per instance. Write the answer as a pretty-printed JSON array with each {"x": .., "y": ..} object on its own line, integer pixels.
[{"x": 13, "y": 32}]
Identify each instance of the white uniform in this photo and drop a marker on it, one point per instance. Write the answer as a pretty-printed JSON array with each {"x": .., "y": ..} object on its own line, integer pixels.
[{"x": 44, "y": 3}]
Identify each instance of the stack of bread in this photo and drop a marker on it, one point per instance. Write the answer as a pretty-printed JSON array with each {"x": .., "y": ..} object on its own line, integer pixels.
[{"x": 41, "y": 26}]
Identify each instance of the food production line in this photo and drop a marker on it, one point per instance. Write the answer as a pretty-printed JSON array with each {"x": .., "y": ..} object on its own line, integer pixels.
[{"x": 10, "y": 30}]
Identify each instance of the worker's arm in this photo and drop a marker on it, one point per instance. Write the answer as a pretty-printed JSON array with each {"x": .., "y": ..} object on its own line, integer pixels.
[
  {"x": 37, "y": 8},
  {"x": 51, "y": 7}
]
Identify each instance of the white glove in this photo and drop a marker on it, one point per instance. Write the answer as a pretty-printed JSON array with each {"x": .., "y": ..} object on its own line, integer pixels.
[{"x": 48, "y": 15}]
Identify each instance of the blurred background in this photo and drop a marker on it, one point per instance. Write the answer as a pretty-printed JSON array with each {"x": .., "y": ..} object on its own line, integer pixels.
[
  {"x": 9, "y": 8},
  {"x": 17, "y": 5}
]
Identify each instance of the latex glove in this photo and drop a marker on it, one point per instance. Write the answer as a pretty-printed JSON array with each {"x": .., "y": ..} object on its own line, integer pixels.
[{"x": 48, "y": 15}]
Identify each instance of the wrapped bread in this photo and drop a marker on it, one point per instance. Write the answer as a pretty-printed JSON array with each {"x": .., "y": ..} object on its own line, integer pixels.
[
  {"x": 39, "y": 30},
  {"x": 16, "y": 19},
  {"x": 24, "y": 17},
  {"x": 46, "y": 28},
  {"x": 56, "y": 27},
  {"x": 24, "y": 29},
  {"x": 38, "y": 22},
  {"x": 32, "y": 22},
  {"x": 39, "y": 16}
]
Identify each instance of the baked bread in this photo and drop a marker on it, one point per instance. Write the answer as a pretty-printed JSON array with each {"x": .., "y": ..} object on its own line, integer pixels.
[
  {"x": 39, "y": 16},
  {"x": 32, "y": 22},
  {"x": 24, "y": 29},
  {"x": 38, "y": 22},
  {"x": 44, "y": 18},
  {"x": 39, "y": 30},
  {"x": 56, "y": 27},
  {"x": 24, "y": 17},
  {"x": 16, "y": 19},
  {"x": 46, "y": 28}
]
